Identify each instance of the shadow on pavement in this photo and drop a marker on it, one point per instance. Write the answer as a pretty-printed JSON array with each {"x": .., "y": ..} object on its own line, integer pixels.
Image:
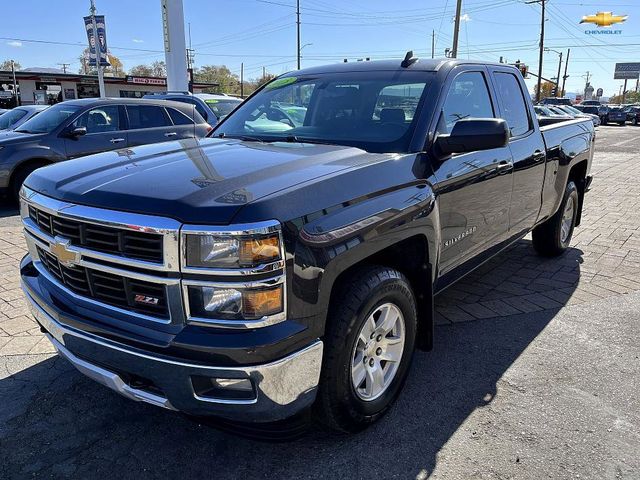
[{"x": 57, "y": 423}]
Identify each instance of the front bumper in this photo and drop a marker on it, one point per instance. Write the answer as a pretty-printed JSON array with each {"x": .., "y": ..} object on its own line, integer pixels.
[{"x": 280, "y": 389}]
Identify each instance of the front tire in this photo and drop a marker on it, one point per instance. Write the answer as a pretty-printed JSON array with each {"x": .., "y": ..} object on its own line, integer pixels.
[
  {"x": 552, "y": 237},
  {"x": 369, "y": 344}
]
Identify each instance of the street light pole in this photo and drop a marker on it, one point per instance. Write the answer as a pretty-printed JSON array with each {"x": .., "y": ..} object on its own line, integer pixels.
[
  {"x": 541, "y": 58},
  {"x": 558, "y": 92},
  {"x": 98, "y": 49}
]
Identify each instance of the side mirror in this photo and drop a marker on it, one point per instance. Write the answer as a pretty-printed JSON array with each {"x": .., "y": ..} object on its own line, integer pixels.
[
  {"x": 473, "y": 134},
  {"x": 77, "y": 132}
]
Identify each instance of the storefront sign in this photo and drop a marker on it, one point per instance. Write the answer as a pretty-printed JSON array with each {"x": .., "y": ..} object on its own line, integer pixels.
[{"x": 146, "y": 80}]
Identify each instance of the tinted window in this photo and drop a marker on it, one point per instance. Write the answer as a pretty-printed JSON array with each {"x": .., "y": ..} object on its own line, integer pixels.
[
  {"x": 179, "y": 118},
  {"x": 223, "y": 108},
  {"x": 468, "y": 97},
  {"x": 514, "y": 107},
  {"x": 11, "y": 117},
  {"x": 99, "y": 120},
  {"x": 49, "y": 119},
  {"x": 147, "y": 116},
  {"x": 199, "y": 108}
]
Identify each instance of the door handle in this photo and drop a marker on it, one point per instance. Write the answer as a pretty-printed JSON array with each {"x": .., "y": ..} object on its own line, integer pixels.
[
  {"x": 116, "y": 140},
  {"x": 539, "y": 155},
  {"x": 170, "y": 134},
  {"x": 504, "y": 165}
]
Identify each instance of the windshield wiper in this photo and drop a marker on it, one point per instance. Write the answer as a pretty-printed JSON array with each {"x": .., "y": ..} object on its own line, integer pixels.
[
  {"x": 318, "y": 141},
  {"x": 244, "y": 138}
]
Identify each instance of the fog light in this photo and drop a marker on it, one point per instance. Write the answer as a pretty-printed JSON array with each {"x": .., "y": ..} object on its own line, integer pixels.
[{"x": 211, "y": 389}]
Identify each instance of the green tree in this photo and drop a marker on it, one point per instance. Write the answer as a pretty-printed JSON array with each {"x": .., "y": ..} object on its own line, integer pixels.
[
  {"x": 547, "y": 89},
  {"x": 6, "y": 65},
  {"x": 631, "y": 97},
  {"x": 158, "y": 69},
  {"x": 116, "y": 68},
  {"x": 227, "y": 81},
  {"x": 266, "y": 78},
  {"x": 141, "y": 71}
]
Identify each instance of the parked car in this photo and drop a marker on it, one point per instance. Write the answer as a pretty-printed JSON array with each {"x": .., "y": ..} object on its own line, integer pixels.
[
  {"x": 556, "y": 101},
  {"x": 80, "y": 127},
  {"x": 546, "y": 116},
  {"x": 587, "y": 103},
  {"x": 213, "y": 108},
  {"x": 18, "y": 115},
  {"x": 575, "y": 113},
  {"x": 601, "y": 111},
  {"x": 617, "y": 115},
  {"x": 256, "y": 273},
  {"x": 633, "y": 115}
]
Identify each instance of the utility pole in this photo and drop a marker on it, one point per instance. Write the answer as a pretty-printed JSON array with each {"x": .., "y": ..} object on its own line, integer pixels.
[
  {"x": 298, "y": 29},
  {"x": 566, "y": 66},
  {"x": 456, "y": 30},
  {"x": 98, "y": 49},
  {"x": 541, "y": 57},
  {"x": 433, "y": 44},
  {"x": 242, "y": 80},
  {"x": 15, "y": 83},
  {"x": 558, "y": 77},
  {"x": 624, "y": 92},
  {"x": 64, "y": 67}
]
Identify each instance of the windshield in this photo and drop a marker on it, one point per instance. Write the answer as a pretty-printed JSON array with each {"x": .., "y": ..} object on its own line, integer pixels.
[
  {"x": 574, "y": 111},
  {"x": 11, "y": 117},
  {"x": 374, "y": 111},
  {"x": 49, "y": 119},
  {"x": 222, "y": 108}
]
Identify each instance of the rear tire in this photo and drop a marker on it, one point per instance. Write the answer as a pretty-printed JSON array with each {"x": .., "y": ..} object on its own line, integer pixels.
[
  {"x": 552, "y": 237},
  {"x": 357, "y": 384},
  {"x": 635, "y": 122}
]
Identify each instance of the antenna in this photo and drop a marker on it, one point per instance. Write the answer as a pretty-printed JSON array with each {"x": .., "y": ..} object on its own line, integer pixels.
[{"x": 409, "y": 59}]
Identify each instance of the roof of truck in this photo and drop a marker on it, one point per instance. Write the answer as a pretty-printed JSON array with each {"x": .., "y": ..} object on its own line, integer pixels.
[{"x": 424, "y": 65}]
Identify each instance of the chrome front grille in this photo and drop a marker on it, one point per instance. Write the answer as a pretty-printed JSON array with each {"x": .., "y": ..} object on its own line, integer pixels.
[
  {"x": 126, "y": 293},
  {"x": 130, "y": 244},
  {"x": 117, "y": 260}
]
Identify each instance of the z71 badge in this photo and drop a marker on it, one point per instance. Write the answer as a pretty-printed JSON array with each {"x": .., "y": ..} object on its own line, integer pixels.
[{"x": 460, "y": 236}]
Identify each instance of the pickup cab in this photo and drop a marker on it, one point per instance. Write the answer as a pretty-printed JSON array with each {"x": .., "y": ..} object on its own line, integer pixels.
[{"x": 289, "y": 264}]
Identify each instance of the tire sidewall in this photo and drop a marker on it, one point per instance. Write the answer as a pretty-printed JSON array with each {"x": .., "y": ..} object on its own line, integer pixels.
[
  {"x": 570, "y": 191},
  {"x": 391, "y": 291}
]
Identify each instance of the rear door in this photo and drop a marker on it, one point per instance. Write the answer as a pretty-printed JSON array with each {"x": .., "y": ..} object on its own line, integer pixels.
[
  {"x": 149, "y": 124},
  {"x": 105, "y": 131},
  {"x": 183, "y": 124},
  {"x": 527, "y": 149},
  {"x": 474, "y": 189}
]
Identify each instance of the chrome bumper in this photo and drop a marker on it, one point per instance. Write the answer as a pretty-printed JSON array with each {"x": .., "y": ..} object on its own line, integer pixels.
[{"x": 282, "y": 388}]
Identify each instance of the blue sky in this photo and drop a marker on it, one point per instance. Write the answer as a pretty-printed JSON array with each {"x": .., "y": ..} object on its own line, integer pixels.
[{"x": 262, "y": 33}]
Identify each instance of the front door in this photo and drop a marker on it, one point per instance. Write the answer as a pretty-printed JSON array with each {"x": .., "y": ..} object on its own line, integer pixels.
[
  {"x": 473, "y": 189},
  {"x": 105, "y": 131}
]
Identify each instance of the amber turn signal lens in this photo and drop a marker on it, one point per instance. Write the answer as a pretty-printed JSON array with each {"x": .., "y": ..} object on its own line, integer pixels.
[
  {"x": 254, "y": 251},
  {"x": 259, "y": 303}
]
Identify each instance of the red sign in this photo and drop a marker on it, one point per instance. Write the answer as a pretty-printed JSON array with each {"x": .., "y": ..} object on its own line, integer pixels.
[{"x": 147, "y": 80}]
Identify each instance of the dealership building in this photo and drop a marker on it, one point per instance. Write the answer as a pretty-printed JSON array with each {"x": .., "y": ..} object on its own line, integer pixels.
[{"x": 46, "y": 86}]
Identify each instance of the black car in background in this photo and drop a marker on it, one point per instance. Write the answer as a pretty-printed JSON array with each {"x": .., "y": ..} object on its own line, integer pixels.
[
  {"x": 81, "y": 127},
  {"x": 633, "y": 115},
  {"x": 617, "y": 115},
  {"x": 556, "y": 101}
]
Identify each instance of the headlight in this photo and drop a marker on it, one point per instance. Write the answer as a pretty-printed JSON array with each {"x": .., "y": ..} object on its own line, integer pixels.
[
  {"x": 230, "y": 303},
  {"x": 233, "y": 249}
]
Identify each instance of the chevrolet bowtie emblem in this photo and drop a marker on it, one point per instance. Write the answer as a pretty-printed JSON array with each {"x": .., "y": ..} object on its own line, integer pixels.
[
  {"x": 604, "y": 19},
  {"x": 60, "y": 249}
]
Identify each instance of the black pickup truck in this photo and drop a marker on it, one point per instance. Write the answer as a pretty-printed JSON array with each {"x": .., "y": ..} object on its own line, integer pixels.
[{"x": 289, "y": 262}]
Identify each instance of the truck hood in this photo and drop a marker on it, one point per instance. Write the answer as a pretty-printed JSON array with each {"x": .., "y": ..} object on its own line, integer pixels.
[{"x": 202, "y": 181}]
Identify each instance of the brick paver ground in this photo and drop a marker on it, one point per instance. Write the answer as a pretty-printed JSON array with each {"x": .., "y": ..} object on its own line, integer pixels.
[{"x": 604, "y": 259}]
